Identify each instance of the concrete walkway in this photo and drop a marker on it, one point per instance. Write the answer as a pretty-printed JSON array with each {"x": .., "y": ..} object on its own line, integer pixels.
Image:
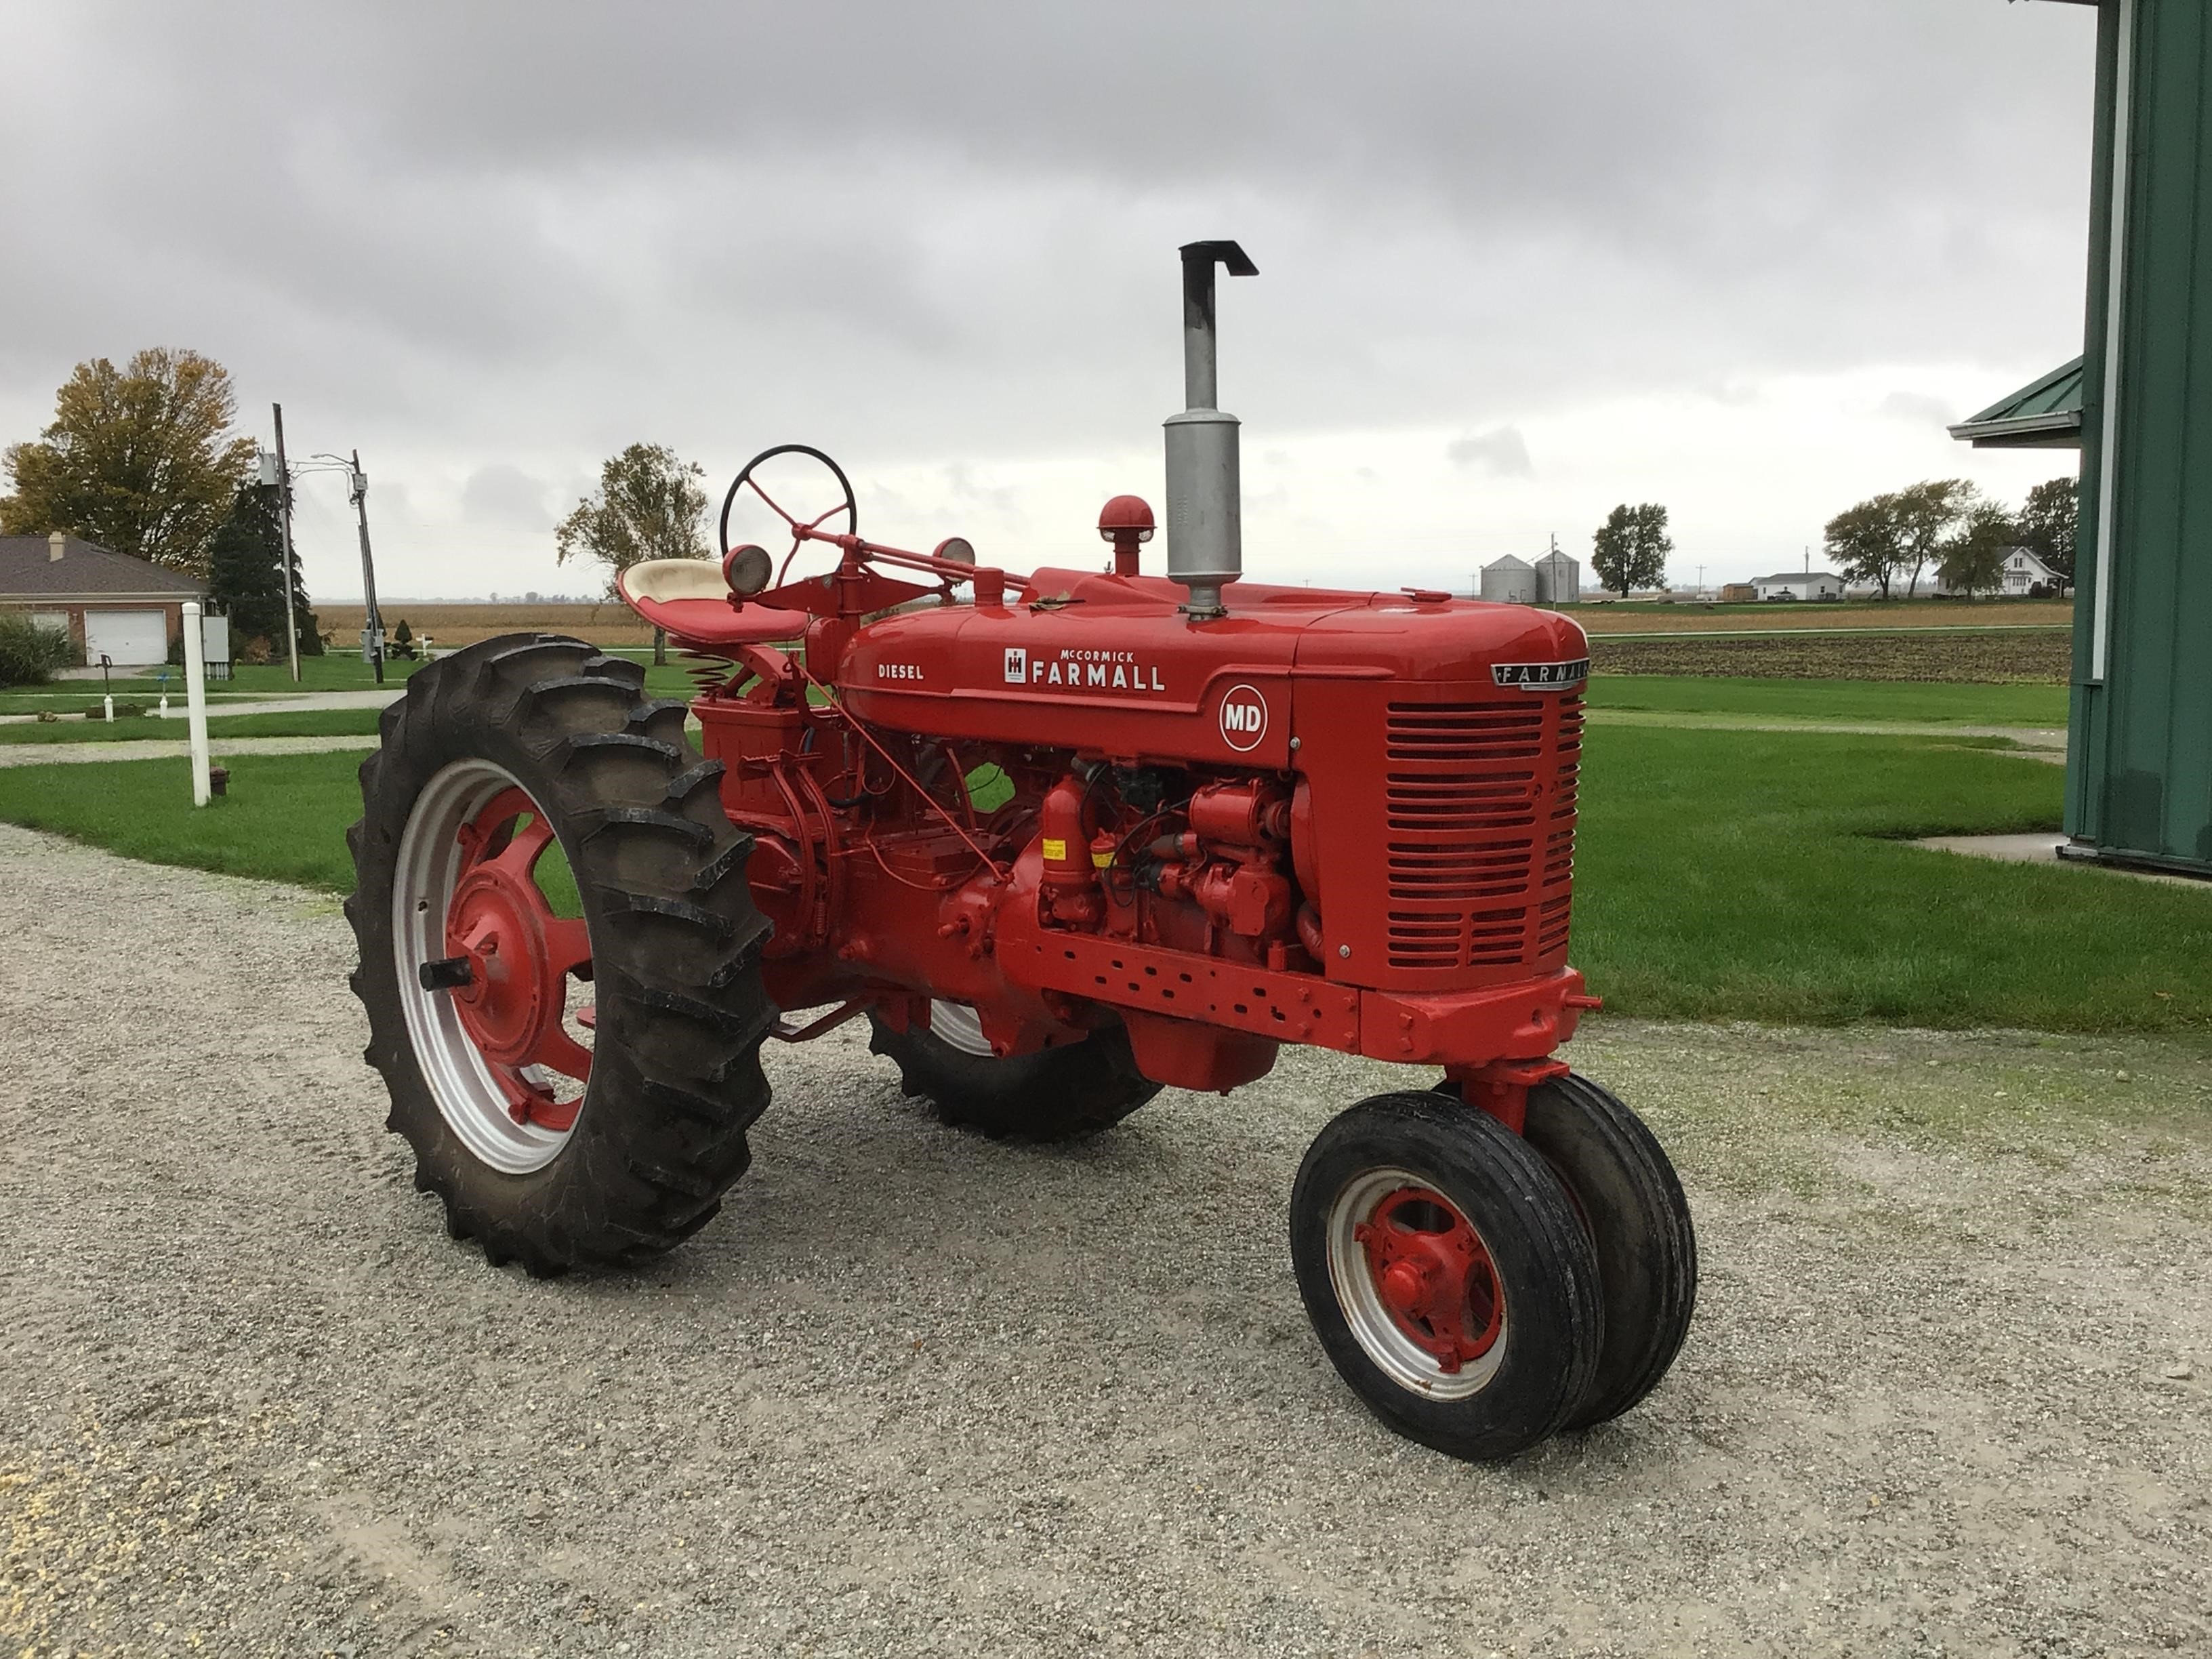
[
  {"x": 2039, "y": 742},
  {"x": 130, "y": 749},
  {"x": 230, "y": 703},
  {"x": 2044, "y": 849}
]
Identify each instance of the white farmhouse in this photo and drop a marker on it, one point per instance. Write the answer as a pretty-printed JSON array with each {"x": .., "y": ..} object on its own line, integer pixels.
[
  {"x": 1799, "y": 585},
  {"x": 2025, "y": 572},
  {"x": 2022, "y": 573}
]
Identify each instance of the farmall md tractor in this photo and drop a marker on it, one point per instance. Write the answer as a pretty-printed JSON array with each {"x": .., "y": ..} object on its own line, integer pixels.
[{"x": 1063, "y": 840}]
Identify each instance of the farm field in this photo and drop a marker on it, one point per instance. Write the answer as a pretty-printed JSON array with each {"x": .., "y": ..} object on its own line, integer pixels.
[
  {"x": 1721, "y": 875},
  {"x": 1651, "y": 616},
  {"x": 1987, "y": 656},
  {"x": 1851, "y": 702},
  {"x": 454, "y": 625}
]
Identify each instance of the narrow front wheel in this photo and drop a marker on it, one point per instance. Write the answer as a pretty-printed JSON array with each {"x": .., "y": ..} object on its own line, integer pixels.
[{"x": 1446, "y": 1274}]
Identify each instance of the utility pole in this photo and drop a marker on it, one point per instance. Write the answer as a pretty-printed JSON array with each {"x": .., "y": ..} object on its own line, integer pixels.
[
  {"x": 284, "y": 523},
  {"x": 1701, "y": 583},
  {"x": 358, "y": 490}
]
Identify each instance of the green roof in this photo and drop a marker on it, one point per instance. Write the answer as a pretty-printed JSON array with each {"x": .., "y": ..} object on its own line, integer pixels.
[{"x": 2045, "y": 414}]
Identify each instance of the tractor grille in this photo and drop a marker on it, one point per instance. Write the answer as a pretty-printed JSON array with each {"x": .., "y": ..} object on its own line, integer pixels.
[{"x": 1479, "y": 805}]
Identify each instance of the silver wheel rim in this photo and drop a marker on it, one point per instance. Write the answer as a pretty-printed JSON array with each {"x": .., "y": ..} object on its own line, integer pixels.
[
  {"x": 1395, "y": 1354},
  {"x": 469, "y": 1097},
  {"x": 959, "y": 1026}
]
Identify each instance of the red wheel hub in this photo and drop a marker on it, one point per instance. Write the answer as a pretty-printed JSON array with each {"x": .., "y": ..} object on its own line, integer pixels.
[
  {"x": 519, "y": 955},
  {"x": 1433, "y": 1275}
]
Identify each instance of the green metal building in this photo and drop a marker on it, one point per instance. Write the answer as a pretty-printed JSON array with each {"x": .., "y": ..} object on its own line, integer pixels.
[{"x": 2139, "y": 403}]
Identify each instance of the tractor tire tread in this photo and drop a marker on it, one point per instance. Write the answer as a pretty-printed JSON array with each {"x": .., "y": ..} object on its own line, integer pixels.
[
  {"x": 1055, "y": 1094},
  {"x": 1647, "y": 1250},
  {"x": 676, "y": 1081}
]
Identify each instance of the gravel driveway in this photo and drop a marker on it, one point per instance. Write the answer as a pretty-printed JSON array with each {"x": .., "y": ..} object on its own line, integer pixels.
[{"x": 916, "y": 1393}]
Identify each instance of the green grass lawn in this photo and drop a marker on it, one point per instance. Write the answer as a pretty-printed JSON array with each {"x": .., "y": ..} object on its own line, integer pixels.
[
  {"x": 1724, "y": 875},
  {"x": 1851, "y": 702},
  {"x": 331, "y": 672},
  {"x": 1761, "y": 876}
]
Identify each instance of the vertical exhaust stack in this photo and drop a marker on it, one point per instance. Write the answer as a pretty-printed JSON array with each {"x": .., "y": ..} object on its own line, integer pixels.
[{"x": 1206, "y": 539}]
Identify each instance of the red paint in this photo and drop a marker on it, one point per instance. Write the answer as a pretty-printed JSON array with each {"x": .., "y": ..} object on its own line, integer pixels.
[
  {"x": 1126, "y": 521},
  {"x": 519, "y": 955},
  {"x": 1320, "y": 818},
  {"x": 1433, "y": 1275}
]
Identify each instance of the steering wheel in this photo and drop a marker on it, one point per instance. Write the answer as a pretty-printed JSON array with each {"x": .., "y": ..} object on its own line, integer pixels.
[{"x": 798, "y": 526}]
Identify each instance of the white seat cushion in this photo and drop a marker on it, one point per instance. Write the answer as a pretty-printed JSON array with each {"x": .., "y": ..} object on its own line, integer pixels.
[{"x": 675, "y": 579}]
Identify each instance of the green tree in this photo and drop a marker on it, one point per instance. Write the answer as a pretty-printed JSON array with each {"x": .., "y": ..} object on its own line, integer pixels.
[
  {"x": 1631, "y": 547},
  {"x": 1971, "y": 559},
  {"x": 1927, "y": 513},
  {"x": 649, "y": 505},
  {"x": 137, "y": 459},
  {"x": 245, "y": 575},
  {"x": 1862, "y": 542},
  {"x": 1891, "y": 538},
  {"x": 2050, "y": 522}
]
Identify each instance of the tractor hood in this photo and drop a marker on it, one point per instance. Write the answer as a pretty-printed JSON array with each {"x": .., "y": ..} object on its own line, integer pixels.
[{"x": 1107, "y": 663}]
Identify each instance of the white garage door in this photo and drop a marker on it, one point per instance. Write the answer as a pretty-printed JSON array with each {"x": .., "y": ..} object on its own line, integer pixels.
[{"x": 126, "y": 637}]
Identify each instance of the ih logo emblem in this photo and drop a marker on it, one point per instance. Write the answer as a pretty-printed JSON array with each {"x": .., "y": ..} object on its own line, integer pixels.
[
  {"x": 1244, "y": 719},
  {"x": 1018, "y": 664}
]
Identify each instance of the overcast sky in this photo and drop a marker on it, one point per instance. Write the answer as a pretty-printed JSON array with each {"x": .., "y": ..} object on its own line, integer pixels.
[{"x": 1519, "y": 262}]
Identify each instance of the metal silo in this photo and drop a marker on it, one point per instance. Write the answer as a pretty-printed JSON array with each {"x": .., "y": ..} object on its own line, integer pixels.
[
  {"x": 1510, "y": 581},
  {"x": 1558, "y": 579}
]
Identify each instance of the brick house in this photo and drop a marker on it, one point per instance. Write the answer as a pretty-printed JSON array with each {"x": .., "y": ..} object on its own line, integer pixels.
[{"x": 107, "y": 603}]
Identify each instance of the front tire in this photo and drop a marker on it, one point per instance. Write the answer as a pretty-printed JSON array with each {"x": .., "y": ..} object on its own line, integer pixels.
[
  {"x": 545, "y": 1148},
  {"x": 1633, "y": 1204},
  {"x": 1446, "y": 1274},
  {"x": 1055, "y": 1094}
]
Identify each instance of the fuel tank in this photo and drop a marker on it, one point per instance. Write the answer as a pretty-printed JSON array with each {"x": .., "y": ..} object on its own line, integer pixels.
[{"x": 1106, "y": 664}]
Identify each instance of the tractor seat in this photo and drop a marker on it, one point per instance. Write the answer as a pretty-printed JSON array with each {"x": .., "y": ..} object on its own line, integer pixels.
[{"x": 688, "y": 600}]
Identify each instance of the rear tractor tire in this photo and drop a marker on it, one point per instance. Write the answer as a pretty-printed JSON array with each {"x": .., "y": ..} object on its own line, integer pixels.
[
  {"x": 554, "y": 1136},
  {"x": 1446, "y": 1274},
  {"x": 1055, "y": 1094}
]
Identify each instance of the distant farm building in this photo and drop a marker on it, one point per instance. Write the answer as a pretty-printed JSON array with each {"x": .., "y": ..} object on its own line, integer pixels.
[
  {"x": 2023, "y": 575},
  {"x": 2025, "y": 572},
  {"x": 1738, "y": 594},
  {"x": 1559, "y": 579},
  {"x": 1510, "y": 581},
  {"x": 1798, "y": 585},
  {"x": 110, "y": 604}
]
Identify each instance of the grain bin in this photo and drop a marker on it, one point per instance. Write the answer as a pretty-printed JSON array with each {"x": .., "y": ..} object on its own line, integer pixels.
[
  {"x": 1510, "y": 581},
  {"x": 1558, "y": 579}
]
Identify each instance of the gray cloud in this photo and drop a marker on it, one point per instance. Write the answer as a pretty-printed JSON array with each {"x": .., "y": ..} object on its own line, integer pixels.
[
  {"x": 1920, "y": 408},
  {"x": 942, "y": 236},
  {"x": 1502, "y": 452},
  {"x": 505, "y": 496}
]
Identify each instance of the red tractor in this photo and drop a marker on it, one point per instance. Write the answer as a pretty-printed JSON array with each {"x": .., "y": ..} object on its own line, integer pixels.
[{"x": 1062, "y": 839}]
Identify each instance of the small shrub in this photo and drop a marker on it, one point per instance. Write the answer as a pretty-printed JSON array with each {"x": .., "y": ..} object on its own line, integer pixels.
[
  {"x": 29, "y": 655},
  {"x": 258, "y": 651}
]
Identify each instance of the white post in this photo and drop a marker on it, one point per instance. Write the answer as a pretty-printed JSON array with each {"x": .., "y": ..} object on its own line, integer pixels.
[{"x": 195, "y": 699}]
